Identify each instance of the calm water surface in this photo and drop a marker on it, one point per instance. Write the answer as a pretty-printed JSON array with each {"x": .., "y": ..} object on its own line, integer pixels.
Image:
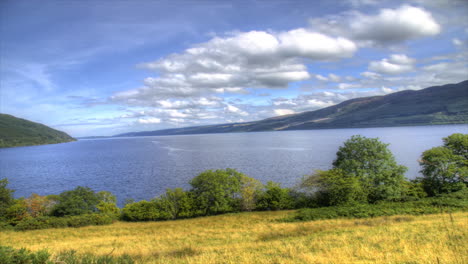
[{"x": 143, "y": 167}]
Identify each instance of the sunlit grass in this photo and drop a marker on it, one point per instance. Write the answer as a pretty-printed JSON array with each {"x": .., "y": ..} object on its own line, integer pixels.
[{"x": 259, "y": 238}]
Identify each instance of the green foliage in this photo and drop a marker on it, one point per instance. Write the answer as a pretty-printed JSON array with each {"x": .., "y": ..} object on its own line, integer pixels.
[
  {"x": 458, "y": 143},
  {"x": 23, "y": 256},
  {"x": 448, "y": 203},
  {"x": 274, "y": 197},
  {"x": 108, "y": 204},
  {"x": 9, "y": 255},
  {"x": 175, "y": 203},
  {"x": 141, "y": 211},
  {"x": 249, "y": 191},
  {"x": 414, "y": 190},
  {"x": 335, "y": 187},
  {"x": 6, "y": 198},
  {"x": 81, "y": 200},
  {"x": 20, "y": 132},
  {"x": 43, "y": 222},
  {"x": 445, "y": 168},
  {"x": 373, "y": 164},
  {"x": 215, "y": 192},
  {"x": 17, "y": 212}
]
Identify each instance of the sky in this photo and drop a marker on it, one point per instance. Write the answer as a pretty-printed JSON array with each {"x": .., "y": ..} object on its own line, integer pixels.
[{"x": 100, "y": 68}]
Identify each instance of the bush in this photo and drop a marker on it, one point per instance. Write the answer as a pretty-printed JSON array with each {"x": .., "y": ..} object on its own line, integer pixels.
[
  {"x": 217, "y": 191},
  {"x": 81, "y": 200},
  {"x": 23, "y": 256},
  {"x": 44, "y": 222},
  {"x": 275, "y": 198},
  {"x": 446, "y": 203},
  {"x": 175, "y": 203},
  {"x": 9, "y": 255},
  {"x": 140, "y": 211}
]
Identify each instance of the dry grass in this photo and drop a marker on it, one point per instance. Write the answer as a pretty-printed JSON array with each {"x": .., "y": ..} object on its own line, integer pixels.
[{"x": 258, "y": 238}]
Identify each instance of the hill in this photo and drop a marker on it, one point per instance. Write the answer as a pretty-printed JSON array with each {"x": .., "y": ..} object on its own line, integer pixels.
[
  {"x": 446, "y": 104},
  {"x": 16, "y": 132}
]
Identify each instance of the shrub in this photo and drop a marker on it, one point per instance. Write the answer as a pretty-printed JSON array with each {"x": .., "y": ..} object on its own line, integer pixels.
[
  {"x": 446, "y": 203},
  {"x": 43, "y": 222},
  {"x": 275, "y": 198},
  {"x": 217, "y": 191},
  {"x": 175, "y": 203},
  {"x": 81, "y": 200},
  {"x": 23, "y": 256},
  {"x": 141, "y": 211}
]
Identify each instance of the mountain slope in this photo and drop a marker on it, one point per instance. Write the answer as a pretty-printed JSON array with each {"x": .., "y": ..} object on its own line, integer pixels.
[
  {"x": 446, "y": 104},
  {"x": 20, "y": 132}
]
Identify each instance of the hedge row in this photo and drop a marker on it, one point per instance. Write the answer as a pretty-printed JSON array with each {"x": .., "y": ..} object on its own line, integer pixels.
[
  {"x": 59, "y": 222},
  {"x": 446, "y": 203}
]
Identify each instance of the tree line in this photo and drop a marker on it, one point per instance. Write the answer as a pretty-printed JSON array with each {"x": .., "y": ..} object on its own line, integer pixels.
[{"x": 364, "y": 172}]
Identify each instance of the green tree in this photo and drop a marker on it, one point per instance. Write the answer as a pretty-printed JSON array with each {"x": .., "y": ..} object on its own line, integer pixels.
[
  {"x": 274, "y": 197},
  {"x": 374, "y": 165},
  {"x": 175, "y": 203},
  {"x": 335, "y": 187},
  {"x": 81, "y": 200},
  {"x": 249, "y": 192},
  {"x": 445, "y": 168},
  {"x": 17, "y": 211},
  {"x": 6, "y": 197},
  {"x": 217, "y": 191},
  {"x": 108, "y": 204},
  {"x": 141, "y": 211}
]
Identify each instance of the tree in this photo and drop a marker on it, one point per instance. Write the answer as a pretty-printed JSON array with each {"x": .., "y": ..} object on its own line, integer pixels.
[
  {"x": 6, "y": 197},
  {"x": 335, "y": 187},
  {"x": 108, "y": 204},
  {"x": 275, "y": 198},
  {"x": 40, "y": 205},
  {"x": 249, "y": 192},
  {"x": 370, "y": 161},
  {"x": 141, "y": 211},
  {"x": 445, "y": 168},
  {"x": 81, "y": 200},
  {"x": 175, "y": 203},
  {"x": 217, "y": 191}
]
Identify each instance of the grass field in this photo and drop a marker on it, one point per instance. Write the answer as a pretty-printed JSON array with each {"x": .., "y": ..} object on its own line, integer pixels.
[{"x": 258, "y": 237}]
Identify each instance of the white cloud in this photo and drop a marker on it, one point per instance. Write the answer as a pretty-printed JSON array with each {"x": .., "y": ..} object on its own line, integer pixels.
[
  {"x": 387, "y": 27},
  {"x": 150, "y": 120},
  {"x": 396, "y": 64},
  {"x": 254, "y": 59},
  {"x": 235, "y": 110},
  {"x": 280, "y": 112}
]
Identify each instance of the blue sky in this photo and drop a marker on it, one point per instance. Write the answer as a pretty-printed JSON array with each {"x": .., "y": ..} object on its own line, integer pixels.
[{"x": 109, "y": 67}]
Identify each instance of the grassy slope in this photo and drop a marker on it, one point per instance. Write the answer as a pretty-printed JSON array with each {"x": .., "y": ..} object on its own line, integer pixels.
[
  {"x": 20, "y": 132},
  {"x": 257, "y": 238}
]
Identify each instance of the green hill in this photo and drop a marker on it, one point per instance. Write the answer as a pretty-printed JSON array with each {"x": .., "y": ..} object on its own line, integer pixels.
[
  {"x": 16, "y": 132},
  {"x": 446, "y": 104}
]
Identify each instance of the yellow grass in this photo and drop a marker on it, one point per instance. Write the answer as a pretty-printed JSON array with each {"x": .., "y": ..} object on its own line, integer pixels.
[{"x": 258, "y": 238}]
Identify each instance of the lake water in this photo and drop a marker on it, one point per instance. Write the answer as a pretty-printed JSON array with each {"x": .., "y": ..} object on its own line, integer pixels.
[{"x": 143, "y": 167}]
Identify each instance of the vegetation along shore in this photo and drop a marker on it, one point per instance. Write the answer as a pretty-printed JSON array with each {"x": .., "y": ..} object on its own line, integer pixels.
[{"x": 362, "y": 210}]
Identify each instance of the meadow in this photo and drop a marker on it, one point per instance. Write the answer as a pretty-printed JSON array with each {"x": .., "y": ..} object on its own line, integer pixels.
[{"x": 262, "y": 237}]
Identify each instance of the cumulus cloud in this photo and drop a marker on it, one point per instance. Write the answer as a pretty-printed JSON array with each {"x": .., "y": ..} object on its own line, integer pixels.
[
  {"x": 387, "y": 27},
  {"x": 396, "y": 64},
  {"x": 231, "y": 64}
]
